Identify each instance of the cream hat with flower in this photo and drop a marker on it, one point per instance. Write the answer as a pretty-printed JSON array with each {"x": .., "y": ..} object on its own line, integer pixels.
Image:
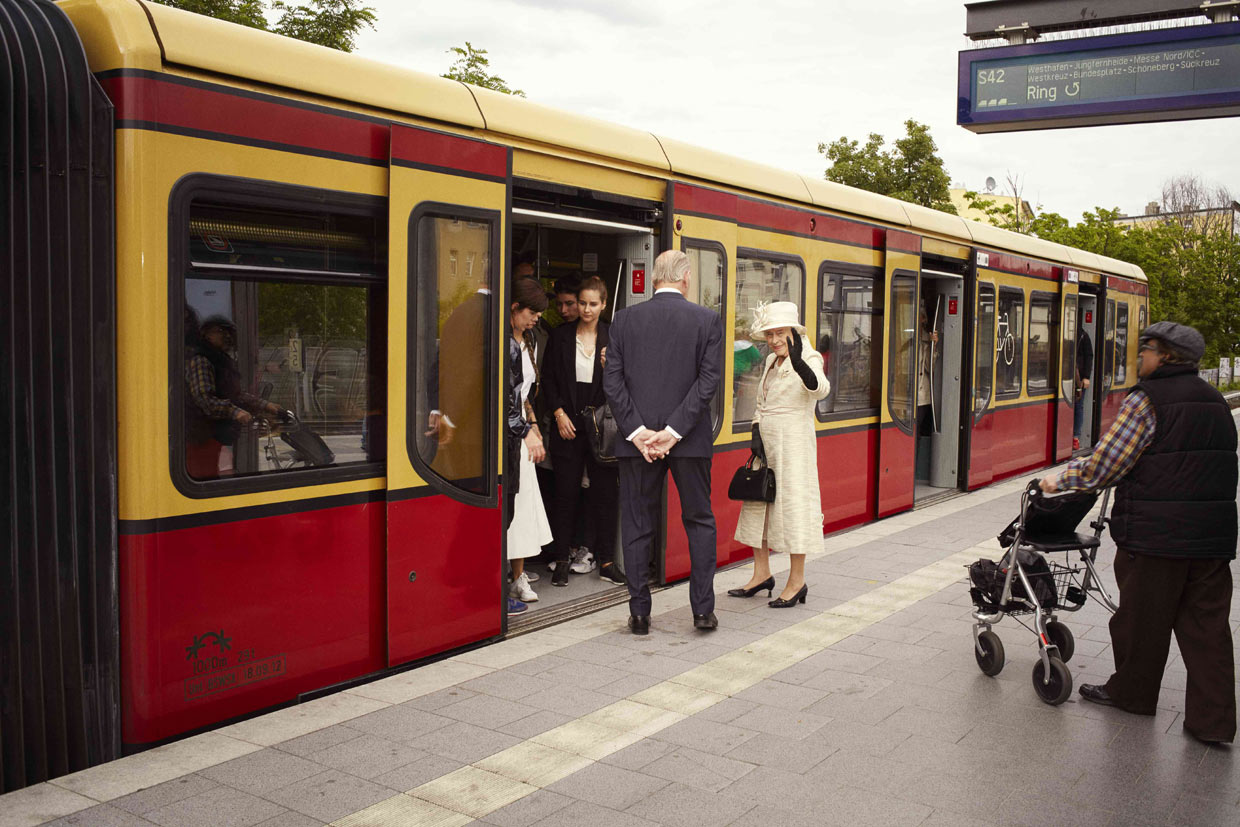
[{"x": 770, "y": 315}]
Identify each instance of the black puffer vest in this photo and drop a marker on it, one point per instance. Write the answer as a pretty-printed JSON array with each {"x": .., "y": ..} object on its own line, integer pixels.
[{"x": 1179, "y": 500}]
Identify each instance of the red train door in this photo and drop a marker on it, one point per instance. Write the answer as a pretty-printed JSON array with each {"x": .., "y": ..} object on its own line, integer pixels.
[
  {"x": 1067, "y": 366},
  {"x": 445, "y": 530},
  {"x": 897, "y": 446}
]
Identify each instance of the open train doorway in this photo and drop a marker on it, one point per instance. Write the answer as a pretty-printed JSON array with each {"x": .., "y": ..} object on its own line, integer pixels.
[
  {"x": 564, "y": 237},
  {"x": 940, "y": 371}
]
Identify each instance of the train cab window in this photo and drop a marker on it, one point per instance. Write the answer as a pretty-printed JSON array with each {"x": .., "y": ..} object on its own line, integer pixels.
[
  {"x": 1042, "y": 342},
  {"x": 1009, "y": 342},
  {"x": 282, "y": 339},
  {"x": 709, "y": 264},
  {"x": 1121, "y": 344},
  {"x": 848, "y": 320},
  {"x": 450, "y": 392},
  {"x": 901, "y": 390},
  {"x": 760, "y": 277},
  {"x": 1067, "y": 349},
  {"x": 983, "y": 358},
  {"x": 1108, "y": 347}
]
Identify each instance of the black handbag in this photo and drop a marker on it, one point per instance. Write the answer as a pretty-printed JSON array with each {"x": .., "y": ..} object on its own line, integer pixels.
[
  {"x": 754, "y": 481},
  {"x": 602, "y": 433}
]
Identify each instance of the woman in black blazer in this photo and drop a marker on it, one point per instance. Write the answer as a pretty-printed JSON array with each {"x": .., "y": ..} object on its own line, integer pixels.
[{"x": 572, "y": 380}]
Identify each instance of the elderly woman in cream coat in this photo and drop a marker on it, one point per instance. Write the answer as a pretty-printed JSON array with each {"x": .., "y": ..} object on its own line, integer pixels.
[{"x": 792, "y": 382}]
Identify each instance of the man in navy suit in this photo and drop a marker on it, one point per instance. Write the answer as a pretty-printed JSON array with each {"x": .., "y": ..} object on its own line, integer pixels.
[{"x": 663, "y": 366}]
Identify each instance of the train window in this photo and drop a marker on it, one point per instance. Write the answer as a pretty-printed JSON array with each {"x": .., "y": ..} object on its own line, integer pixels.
[
  {"x": 1121, "y": 343},
  {"x": 849, "y": 321},
  {"x": 1042, "y": 342},
  {"x": 985, "y": 341},
  {"x": 450, "y": 393},
  {"x": 760, "y": 277},
  {"x": 902, "y": 344},
  {"x": 1141, "y": 320},
  {"x": 1009, "y": 342},
  {"x": 1067, "y": 349},
  {"x": 709, "y": 264},
  {"x": 282, "y": 343},
  {"x": 1108, "y": 347}
]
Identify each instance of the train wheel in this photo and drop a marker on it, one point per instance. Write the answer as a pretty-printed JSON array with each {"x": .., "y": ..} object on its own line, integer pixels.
[
  {"x": 1058, "y": 688},
  {"x": 1061, "y": 636},
  {"x": 990, "y": 659}
]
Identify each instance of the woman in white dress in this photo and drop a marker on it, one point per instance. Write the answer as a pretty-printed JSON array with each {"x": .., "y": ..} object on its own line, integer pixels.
[
  {"x": 792, "y": 382},
  {"x": 529, "y": 529}
]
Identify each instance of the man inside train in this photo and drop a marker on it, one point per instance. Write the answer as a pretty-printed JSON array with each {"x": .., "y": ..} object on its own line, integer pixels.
[{"x": 1171, "y": 454}]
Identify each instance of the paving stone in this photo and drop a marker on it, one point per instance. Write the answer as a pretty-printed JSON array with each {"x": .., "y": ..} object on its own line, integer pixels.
[
  {"x": 539, "y": 665},
  {"x": 464, "y": 742},
  {"x": 368, "y": 756},
  {"x": 260, "y": 772},
  {"x": 784, "y": 723},
  {"x": 700, "y": 770},
  {"x": 533, "y": 808},
  {"x": 727, "y": 710},
  {"x": 417, "y": 773},
  {"x": 782, "y": 695},
  {"x": 102, "y": 815},
  {"x": 853, "y": 684},
  {"x": 679, "y": 806},
  {"x": 330, "y": 795},
  {"x": 403, "y": 722},
  {"x": 480, "y": 710},
  {"x": 566, "y": 701},
  {"x": 630, "y": 684},
  {"x": 705, "y": 735},
  {"x": 292, "y": 819},
  {"x": 534, "y": 724},
  {"x": 609, "y": 786},
  {"x": 509, "y": 685},
  {"x": 161, "y": 795},
  {"x": 440, "y": 699},
  {"x": 935, "y": 724},
  {"x": 1025, "y": 810},
  {"x": 315, "y": 741},
  {"x": 218, "y": 807},
  {"x": 581, "y": 813},
  {"x": 765, "y": 815},
  {"x": 571, "y": 674},
  {"x": 854, "y": 708},
  {"x": 1205, "y": 811},
  {"x": 639, "y": 755},
  {"x": 855, "y": 767},
  {"x": 772, "y": 751}
]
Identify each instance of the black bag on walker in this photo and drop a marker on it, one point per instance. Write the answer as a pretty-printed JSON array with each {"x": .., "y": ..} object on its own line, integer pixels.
[
  {"x": 987, "y": 579},
  {"x": 1051, "y": 518}
]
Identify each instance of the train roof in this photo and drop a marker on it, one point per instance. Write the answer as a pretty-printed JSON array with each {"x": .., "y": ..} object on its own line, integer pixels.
[{"x": 131, "y": 34}]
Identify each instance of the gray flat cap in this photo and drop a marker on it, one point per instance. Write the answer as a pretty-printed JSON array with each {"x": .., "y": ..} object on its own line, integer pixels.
[{"x": 1182, "y": 337}]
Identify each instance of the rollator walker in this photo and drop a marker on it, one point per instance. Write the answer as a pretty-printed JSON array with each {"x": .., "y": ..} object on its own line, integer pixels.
[{"x": 1026, "y": 581}]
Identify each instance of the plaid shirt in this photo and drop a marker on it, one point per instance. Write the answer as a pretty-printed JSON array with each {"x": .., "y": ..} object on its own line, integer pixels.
[
  {"x": 1113, "y": 457},
  {"x": 200, "y": 377}
]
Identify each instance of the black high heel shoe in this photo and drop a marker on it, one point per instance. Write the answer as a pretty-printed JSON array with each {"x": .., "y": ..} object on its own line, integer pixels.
[
  {"x": 799, "y": 597},
  {"x": 768, "y": 584}
]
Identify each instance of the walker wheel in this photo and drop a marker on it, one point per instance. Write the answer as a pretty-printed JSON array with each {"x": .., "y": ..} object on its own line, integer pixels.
[
  {"x": 1061, "y": 636},
  {"x": 1057, "y": 690},
  {"x": 990, "y": 659}
]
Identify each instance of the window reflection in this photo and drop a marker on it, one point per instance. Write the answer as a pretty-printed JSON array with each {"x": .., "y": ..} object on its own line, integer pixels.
[{"x": 758, "y": 280}]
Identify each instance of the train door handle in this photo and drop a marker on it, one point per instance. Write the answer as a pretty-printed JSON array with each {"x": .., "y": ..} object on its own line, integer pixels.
[{"x": 413, "y": 575}]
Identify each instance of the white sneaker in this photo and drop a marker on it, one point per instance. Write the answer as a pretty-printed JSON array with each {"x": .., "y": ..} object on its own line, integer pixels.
[
  {"x": 583, "y": 561},
  {"x": 520, "y": 589}
]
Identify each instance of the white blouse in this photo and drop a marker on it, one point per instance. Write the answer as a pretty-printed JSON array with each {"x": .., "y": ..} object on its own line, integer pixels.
[{"x": 584, "y": 363}]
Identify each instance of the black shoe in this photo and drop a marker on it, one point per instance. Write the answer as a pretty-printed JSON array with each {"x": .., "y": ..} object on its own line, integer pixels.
[
  {"x": 706, "y": 622},
  {"x": 1205, "y": 739},
  {"x": 1096, "y": 693},
  {"x": 799, "y": 597},
  {"x": 639, "y": 624},
  {"x": 610, "y": 571},
  {"x": 559, "y": 577},
  {"x": 768, "y": 584}
]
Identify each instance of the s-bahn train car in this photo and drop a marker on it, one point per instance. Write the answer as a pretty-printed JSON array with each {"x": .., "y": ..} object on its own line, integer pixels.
[{"x": 330, "y": 240}]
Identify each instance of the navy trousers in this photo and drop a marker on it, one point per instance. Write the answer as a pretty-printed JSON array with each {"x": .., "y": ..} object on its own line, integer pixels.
[{"x": 641, "y": 486}]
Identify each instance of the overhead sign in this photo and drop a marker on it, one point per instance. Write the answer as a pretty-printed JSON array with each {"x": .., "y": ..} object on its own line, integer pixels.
[{"x": 1171, "y": 74}]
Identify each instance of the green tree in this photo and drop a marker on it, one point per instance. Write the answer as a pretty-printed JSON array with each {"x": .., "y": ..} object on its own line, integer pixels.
[
  {"x": 331, "y": 23},
  {"x": 910, "y": 170},
  {"x": 472, "y": 66}
]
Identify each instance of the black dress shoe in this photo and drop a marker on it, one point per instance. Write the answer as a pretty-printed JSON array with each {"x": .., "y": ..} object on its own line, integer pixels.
[
  {"x": 1096, "y": 693},
  {"x": 1205, "y": 739},
  {"x": 707, "y": 621},
  {"x": 639, "y": 624},
  {"x": 799, "y": 597},
  {"x": 768, "y": 584}
]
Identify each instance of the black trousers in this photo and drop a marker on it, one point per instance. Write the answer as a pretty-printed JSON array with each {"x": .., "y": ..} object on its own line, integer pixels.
[
  {"x": 1161, "y": 595},
  {"x": 601, "y": 500},
  {"x": 641, "y": 486}
]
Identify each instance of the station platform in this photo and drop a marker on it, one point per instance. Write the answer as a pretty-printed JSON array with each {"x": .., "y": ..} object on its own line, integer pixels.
[{"x": 865, "y": 706}]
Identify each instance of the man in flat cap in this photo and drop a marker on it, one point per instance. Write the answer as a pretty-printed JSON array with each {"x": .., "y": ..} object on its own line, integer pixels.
[{"x": 1171, "y": 454}]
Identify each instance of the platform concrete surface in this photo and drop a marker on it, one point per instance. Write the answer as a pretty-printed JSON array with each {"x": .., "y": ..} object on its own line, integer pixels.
[{"x": 864, "y": 706}]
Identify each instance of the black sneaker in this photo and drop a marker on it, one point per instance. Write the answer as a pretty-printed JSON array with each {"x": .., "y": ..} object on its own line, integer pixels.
[{"x": 610, "y": 571}]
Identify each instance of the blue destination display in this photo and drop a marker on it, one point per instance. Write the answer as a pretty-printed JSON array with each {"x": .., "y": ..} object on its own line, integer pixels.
[{"x": 1160, "y": 75}]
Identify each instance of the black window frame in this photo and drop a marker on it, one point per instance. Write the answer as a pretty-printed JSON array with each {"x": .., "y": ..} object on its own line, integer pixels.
[
  {"x": 687, "y": 243},
  {"x": 897, "y": 275},
  {"x": 766, "y": 255},
  {"x": 1124, "y": 315},
  {"x": 1108, "y": 344},
  {"x": 1018, "y": 359},
  {"x": 1052, "y": 356},
  {"x": 414, "y": 378},
  {"x": 989, "y": 360},
  {"x": 251, "y": 192},
  {"x": 878, "y": 308}
]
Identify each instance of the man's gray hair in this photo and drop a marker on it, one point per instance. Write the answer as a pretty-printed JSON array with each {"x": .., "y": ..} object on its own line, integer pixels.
[{"x": 671, "y": 267}]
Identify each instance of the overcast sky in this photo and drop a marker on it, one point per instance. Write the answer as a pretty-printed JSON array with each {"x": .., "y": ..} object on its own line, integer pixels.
[{"x": 770, "y": 80}]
